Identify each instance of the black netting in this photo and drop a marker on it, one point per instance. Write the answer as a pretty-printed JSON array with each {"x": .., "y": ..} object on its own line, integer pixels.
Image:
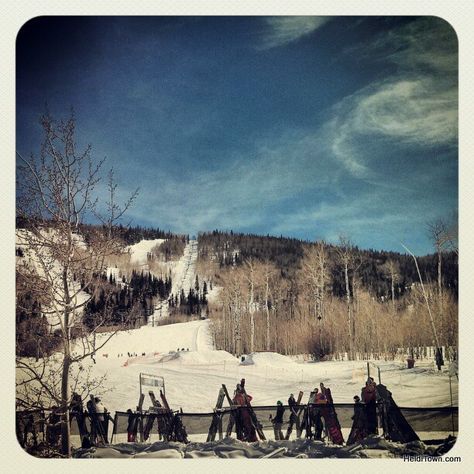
[
  {"x": 421, "y": 419},
  {"x": 37, "y": 424}
]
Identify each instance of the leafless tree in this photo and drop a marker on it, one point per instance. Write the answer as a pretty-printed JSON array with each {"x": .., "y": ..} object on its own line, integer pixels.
[
  {"x": 55, "y": 195},
  {"x": 392, "y": 270},
  {"x": 440, "y": 235},
  {"x": 315, "y": 276},
  {"x": 249, "y": 273},
  {"x": 345, "y": 251}
]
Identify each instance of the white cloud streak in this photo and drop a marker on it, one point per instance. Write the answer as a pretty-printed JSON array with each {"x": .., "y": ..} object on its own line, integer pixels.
[
  {"x": 282, "y": 30},
  {"x": 418, "y": 105}
]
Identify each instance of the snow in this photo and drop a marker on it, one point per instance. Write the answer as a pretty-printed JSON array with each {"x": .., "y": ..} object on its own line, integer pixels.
[
  {"x": 372, "y": 447},
  {"x": 183, "y": 274},
  {"x": 194, "y": 377},
  {"x": 139, "y": 252}
]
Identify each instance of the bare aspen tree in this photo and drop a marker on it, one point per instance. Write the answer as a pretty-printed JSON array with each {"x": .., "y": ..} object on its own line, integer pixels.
[
  {"x": 392, "y": 269},
  {"x": 315, "y": 277},
  {"x": 344, "y": 252},
  {"x": 268, "y": 271},
  {"x": 55, "y": 194},
  {"x": 249, "y": 268},
  {"x": 439, "y": 234}
]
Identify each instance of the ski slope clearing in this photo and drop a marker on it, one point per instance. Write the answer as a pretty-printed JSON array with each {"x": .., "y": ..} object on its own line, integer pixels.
[
  {"x": 139, "y": 252},
  {"x": 193, "y": 377}
]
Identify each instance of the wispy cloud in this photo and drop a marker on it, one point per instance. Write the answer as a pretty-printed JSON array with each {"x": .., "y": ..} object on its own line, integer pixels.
[
  {"x": 413, "y": 108},
  {"x": 281, "y": 30},
  {"x": 417, "y": 105}
]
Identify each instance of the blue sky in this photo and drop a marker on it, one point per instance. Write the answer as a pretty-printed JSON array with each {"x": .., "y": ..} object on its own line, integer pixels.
[{"x": 309, "y": 127}]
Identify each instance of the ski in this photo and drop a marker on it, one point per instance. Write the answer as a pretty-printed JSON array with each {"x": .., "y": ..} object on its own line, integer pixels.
[
  {"x": 306, "y": 423},
  {"x": 217, "y": 418},
  {"x": 294, "y": 416},
  {"x": 175, "y": 428},
  {"x": 231, "y": 422},
  {"x": 152, "y": 415}
]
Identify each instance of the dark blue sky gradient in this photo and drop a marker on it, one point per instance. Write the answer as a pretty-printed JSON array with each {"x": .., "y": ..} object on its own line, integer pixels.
[{"x": 294, "y": 125}]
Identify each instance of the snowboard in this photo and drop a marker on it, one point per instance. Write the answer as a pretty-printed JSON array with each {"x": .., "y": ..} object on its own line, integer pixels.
[
  {"x": 297, "y": 414},
  {"x": 395, "y": 425},
  {"x": 331, "y": 423},
  {"x": 217, "y": 418}
]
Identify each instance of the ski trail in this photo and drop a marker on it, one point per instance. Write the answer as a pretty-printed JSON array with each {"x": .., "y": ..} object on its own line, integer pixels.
[{"x": 183, "y": 276}]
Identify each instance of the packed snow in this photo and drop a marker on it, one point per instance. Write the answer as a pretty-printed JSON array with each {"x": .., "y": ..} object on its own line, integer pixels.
[
  {"x": 139, "y": 252},
  {"x": 184, "y": 355}
]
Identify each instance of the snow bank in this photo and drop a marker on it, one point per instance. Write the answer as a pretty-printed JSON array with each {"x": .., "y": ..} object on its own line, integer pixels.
[
  {"x": 268, "y": 359},
  {"x": 372, "y": 447}
]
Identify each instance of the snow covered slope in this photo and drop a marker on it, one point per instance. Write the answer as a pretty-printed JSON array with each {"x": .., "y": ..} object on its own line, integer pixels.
[
  {"x": 183, "y": 274},
  {"x": 193, "y": 377},
  {"x": 139, "y": 251}
]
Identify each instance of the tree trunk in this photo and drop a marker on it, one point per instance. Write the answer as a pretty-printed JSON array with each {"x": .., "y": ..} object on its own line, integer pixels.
[
  {"x": 393, "y": 294},
  {"x": 252, "y": 332},
  {"x": 349, "y": 311},
  {"x": 267, "y": 311},
  {"x": 65, "y": 427}
]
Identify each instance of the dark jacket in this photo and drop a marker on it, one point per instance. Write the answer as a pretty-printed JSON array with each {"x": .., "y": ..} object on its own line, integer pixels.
[{"x": 279, "y": 414}]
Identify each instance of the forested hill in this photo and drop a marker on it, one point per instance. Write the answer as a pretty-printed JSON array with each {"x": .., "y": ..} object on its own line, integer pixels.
[
  {"x": 230, "y": 248},
  {"x": 133, "y": 235},
  {"x": 128, "y": 234}
]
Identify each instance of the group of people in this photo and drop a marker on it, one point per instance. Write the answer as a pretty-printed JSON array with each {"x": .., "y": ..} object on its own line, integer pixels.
[
  {"x": 321, "y": 407},
  {"x": 97, "y": 414}
]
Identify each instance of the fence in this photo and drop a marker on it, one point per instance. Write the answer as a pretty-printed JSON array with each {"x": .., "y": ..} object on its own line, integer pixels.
[{"x": 33, "y": 426}]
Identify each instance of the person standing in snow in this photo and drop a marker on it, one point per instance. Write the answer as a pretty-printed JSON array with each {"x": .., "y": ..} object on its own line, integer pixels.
[
  {"x": 131, "y": 423},
  {"x": 242, "y": 399},
  {"x": 309, "y": 418},
  {"x": 278, "y": 421},
  {"x": 369, "y": 397},
  {"x": 53, "y": 428},
  {"x": 103, "y": 417},
  {"x": 77, "y": 412},
  {"x": 359, "y": 428},
  {"x": 319, "y": 399},
  {"x": 294, "y": 418}
]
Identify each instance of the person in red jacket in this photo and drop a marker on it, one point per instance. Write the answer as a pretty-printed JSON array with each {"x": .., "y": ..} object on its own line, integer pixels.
[{"x": 242, "y": 399}]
